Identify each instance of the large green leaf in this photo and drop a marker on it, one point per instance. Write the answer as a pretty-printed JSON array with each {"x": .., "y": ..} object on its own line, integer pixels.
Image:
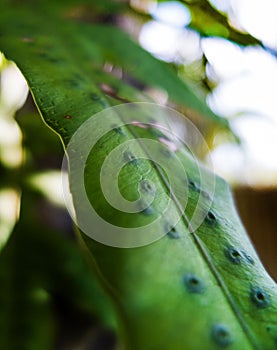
[
  {"x": 209, "y": 283},
  {"x": 189, "y": 290},
  {"x": 208, "y": 21}
]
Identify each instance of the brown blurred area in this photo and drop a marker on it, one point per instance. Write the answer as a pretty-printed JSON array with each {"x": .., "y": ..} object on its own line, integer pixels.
[{"x": 258, "y": 210}]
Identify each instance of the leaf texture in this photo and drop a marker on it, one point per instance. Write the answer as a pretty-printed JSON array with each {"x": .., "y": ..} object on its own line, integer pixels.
[{"x": 205, "y": 289}]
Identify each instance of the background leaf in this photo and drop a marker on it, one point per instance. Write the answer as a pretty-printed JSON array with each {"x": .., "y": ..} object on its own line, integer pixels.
[
  {"x": 37, "y": 266},
  {"x": 208, "y": 21},
  {"x": 93, "y": 45}
]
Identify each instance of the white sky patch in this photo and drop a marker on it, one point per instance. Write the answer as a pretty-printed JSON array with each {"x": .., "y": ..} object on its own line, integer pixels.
[
  {"x": 172, "y": 13},
  {"x": 259, "y": 18},
  {"x": 228, "y": 160},
  {"x": 247, "y": 89},
  {"x": 260, "y": 137},
  {"x": 189, "y": 48},
  {"x": 160, "y": 39},
  {"x": 226, "y": 58},
  {"x": 248, "y": 79},
  {"x": 163, "y": 35},
  {"x": 222, "y": 5}
]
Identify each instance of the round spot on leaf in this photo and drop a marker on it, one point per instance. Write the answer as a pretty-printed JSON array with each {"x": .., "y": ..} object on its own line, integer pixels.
[
  {"x": 73, "y": 83},
  {"x": 118, "y": 130},
  {"x": 130, "y": 158},
  {"x": 52, "y": 59},
  {"x": 147, "y": 186},
  {"x": 67, "y": 117},
  {"x": 166, "y": 152},
  {"x": 194, "y": 186},
  {"x": 172, "y": 232},
  {"x": 221, "y": 335},
  {"x": 234, "y": 255},
  {"x": 193, "y": 284},
  {"x": 259, "y": 297},
  {"x": 210, "y": 219},
  {"x": 93, "y": 96},
  {"x": 238, "y": 256}
]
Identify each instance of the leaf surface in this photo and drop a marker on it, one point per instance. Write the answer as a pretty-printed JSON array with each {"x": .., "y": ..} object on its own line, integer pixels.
[{"x": 204, "y": 289}]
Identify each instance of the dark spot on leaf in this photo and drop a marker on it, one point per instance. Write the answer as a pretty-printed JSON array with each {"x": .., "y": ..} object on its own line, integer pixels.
[
  {"x": 193, "y": 284},
  {"x": 235, "y": 255},
  {"x": 221, "y": 335},
  {"x": 259, "y": 297},
  {"x": 194, "y": 186},
  {"x": 171, "y": 231},
  {"x": 67, "y": 117},
  {"x": 210, "y": 219},
  {"x": 166, "y": 152},
  {"x": 93, "y": 96},
  {"x": 238, "y": 256},
  {"x": 117, "y": 130},
  {"x": 147, "y": 186},
  {"x": 73, "y": 83},
  {"x": 130, "y": 158},
  {"x": 49, "y": 58},
  {"x": 76, "y": 81}
]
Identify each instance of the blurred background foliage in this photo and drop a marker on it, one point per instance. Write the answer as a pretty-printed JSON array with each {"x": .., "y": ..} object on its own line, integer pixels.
[{"x": 48, "y": 295}]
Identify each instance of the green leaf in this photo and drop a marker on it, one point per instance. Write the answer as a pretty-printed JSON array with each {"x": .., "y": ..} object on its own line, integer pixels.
[
  {"x": 209, "y": 283},
  {"x": 204, "y": 289},
  {"x": 210, "y": 22}
]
